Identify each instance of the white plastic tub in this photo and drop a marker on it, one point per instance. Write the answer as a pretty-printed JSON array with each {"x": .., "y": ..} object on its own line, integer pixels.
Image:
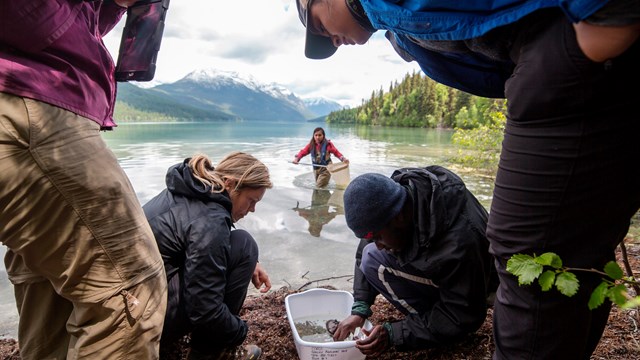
[{"x": 322, "y": 303}]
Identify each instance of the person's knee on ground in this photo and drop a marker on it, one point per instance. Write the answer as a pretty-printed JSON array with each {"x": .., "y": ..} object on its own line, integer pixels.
[{"x": 243, "y": 259}]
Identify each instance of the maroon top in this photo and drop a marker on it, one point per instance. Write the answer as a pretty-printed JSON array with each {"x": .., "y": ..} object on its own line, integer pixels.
[{"x": 52, "y": 51}]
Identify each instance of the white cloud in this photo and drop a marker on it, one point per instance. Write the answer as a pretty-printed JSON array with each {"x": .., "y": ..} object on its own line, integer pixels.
[{"x": 265, "y": 38}]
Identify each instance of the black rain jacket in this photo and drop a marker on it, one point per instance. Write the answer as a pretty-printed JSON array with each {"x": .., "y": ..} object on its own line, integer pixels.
[
  {"x": 449, "y": 246},
  {"x": 192, "y": 227}
]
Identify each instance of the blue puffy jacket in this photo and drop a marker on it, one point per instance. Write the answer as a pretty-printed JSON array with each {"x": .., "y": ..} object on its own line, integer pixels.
[{"x": 461, "y": 20}]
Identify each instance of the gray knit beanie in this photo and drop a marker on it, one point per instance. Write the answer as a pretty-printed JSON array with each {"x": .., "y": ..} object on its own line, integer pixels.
[{"x": 371, "y": 201}]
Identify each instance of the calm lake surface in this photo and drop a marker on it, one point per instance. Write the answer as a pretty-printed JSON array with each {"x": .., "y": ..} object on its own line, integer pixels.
[{"x": 301, "y": 231}]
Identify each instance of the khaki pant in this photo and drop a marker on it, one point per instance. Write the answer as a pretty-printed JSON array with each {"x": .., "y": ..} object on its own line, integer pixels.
[
  {"x": 87, "y": 273},
  {"x": 322, "y": 176}
]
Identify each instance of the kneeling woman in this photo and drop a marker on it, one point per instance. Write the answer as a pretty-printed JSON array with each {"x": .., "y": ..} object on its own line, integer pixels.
[{"x": 208, "y": 263}]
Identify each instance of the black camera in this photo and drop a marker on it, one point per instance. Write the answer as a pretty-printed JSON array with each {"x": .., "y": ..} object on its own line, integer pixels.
[{"x": 141, "y": 40}]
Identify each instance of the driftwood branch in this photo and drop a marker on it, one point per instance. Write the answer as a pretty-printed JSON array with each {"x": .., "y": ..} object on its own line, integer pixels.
[{"x": 325, "y": 279}]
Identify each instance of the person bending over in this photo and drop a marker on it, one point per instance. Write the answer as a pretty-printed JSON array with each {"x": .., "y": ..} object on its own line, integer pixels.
[
  {"x": 423, "y": 247},
  {"x": 208, "y": 263}
]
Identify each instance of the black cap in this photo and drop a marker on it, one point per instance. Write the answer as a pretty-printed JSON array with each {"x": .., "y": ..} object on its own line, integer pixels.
[
  {"x": 316, "y": 46},
  {"x": 371, "y": 201}
]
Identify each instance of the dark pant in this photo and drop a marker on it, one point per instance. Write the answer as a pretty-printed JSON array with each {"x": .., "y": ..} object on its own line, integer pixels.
[
  {"x": 405, "y": 287},
  {"x": 242, "y": 263},
  {"x": 568, "y": 183}
]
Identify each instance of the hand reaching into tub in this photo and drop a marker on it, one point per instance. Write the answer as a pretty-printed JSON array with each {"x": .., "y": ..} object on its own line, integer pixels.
[{"x": 347, "y": 326}]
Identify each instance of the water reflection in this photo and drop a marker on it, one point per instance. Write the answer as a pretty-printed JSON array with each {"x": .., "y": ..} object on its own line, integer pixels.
[
  {"x": 288, "y": 244},
  {"x": 325, "y": 206}
]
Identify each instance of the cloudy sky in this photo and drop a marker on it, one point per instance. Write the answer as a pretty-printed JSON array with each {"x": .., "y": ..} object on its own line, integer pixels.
[{"x": 264, "y": 38}]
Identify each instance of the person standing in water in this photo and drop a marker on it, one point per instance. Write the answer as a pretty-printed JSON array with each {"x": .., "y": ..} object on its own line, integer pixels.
[{"x": 320, "y": 149}]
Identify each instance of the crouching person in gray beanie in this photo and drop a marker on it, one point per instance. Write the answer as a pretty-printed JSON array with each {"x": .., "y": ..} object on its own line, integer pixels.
[{"x": 423, "y": 247}]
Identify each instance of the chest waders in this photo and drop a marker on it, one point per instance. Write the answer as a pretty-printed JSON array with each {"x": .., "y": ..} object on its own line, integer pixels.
[{"x": 322, "y": 175}]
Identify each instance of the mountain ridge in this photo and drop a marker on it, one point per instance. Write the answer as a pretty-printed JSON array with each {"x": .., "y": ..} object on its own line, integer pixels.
[{"x": 217, "y": 95}]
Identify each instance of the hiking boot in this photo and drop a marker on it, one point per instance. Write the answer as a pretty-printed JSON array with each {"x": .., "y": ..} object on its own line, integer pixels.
[{"x": 242, "y": 352}]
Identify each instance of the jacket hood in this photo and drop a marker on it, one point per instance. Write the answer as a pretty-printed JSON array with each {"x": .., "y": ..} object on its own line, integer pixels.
[
  {"x": 437, "y": 195},
  {"x": 181, "y": 181}
]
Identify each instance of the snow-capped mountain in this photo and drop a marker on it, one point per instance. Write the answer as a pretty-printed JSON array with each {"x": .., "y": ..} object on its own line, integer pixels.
[
  {"x": 229, "y": 94},
  {"x": 218, "y": 78},
  {"x": 321, "y": 106}
]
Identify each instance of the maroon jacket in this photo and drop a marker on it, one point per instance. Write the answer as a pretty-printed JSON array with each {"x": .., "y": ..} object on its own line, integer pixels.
[{"x": 52, "y": 51}]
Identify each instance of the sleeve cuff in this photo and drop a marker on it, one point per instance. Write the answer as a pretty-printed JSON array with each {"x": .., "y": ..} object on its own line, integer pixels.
[
  {"x": 389, "y": 329},
  {"x": 362, "y": 309}
]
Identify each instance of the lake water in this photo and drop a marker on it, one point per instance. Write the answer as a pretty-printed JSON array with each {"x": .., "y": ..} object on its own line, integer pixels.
[{"x": 301, "y": 230}]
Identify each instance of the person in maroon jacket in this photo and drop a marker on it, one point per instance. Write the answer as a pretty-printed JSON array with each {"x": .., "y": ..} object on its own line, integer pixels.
[
  {"x": 88, "y": 278},
  {"x": 320, "y": 149}
]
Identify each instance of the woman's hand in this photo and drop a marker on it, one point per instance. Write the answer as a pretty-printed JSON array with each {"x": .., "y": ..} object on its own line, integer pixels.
[
  {"x": 376, "y": 342},
  {"x": 260, "y": 278},
  {"x": 295, "y": 160},
  {"x": 347, "y": 326}
]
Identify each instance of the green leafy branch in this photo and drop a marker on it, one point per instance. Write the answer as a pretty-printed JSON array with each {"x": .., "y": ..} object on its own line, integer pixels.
[{"x": 549, "y": 271}]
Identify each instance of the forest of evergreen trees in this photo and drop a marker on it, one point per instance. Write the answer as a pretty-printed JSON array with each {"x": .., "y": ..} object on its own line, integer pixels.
[{"x": 418, "y": 101}]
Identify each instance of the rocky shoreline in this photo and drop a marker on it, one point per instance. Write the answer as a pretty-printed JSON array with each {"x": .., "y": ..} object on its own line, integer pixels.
[{"x": 269, "y": 329}]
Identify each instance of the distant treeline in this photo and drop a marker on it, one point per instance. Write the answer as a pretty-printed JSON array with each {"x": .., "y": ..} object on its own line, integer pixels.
[{"x": 418, "y": 101}]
